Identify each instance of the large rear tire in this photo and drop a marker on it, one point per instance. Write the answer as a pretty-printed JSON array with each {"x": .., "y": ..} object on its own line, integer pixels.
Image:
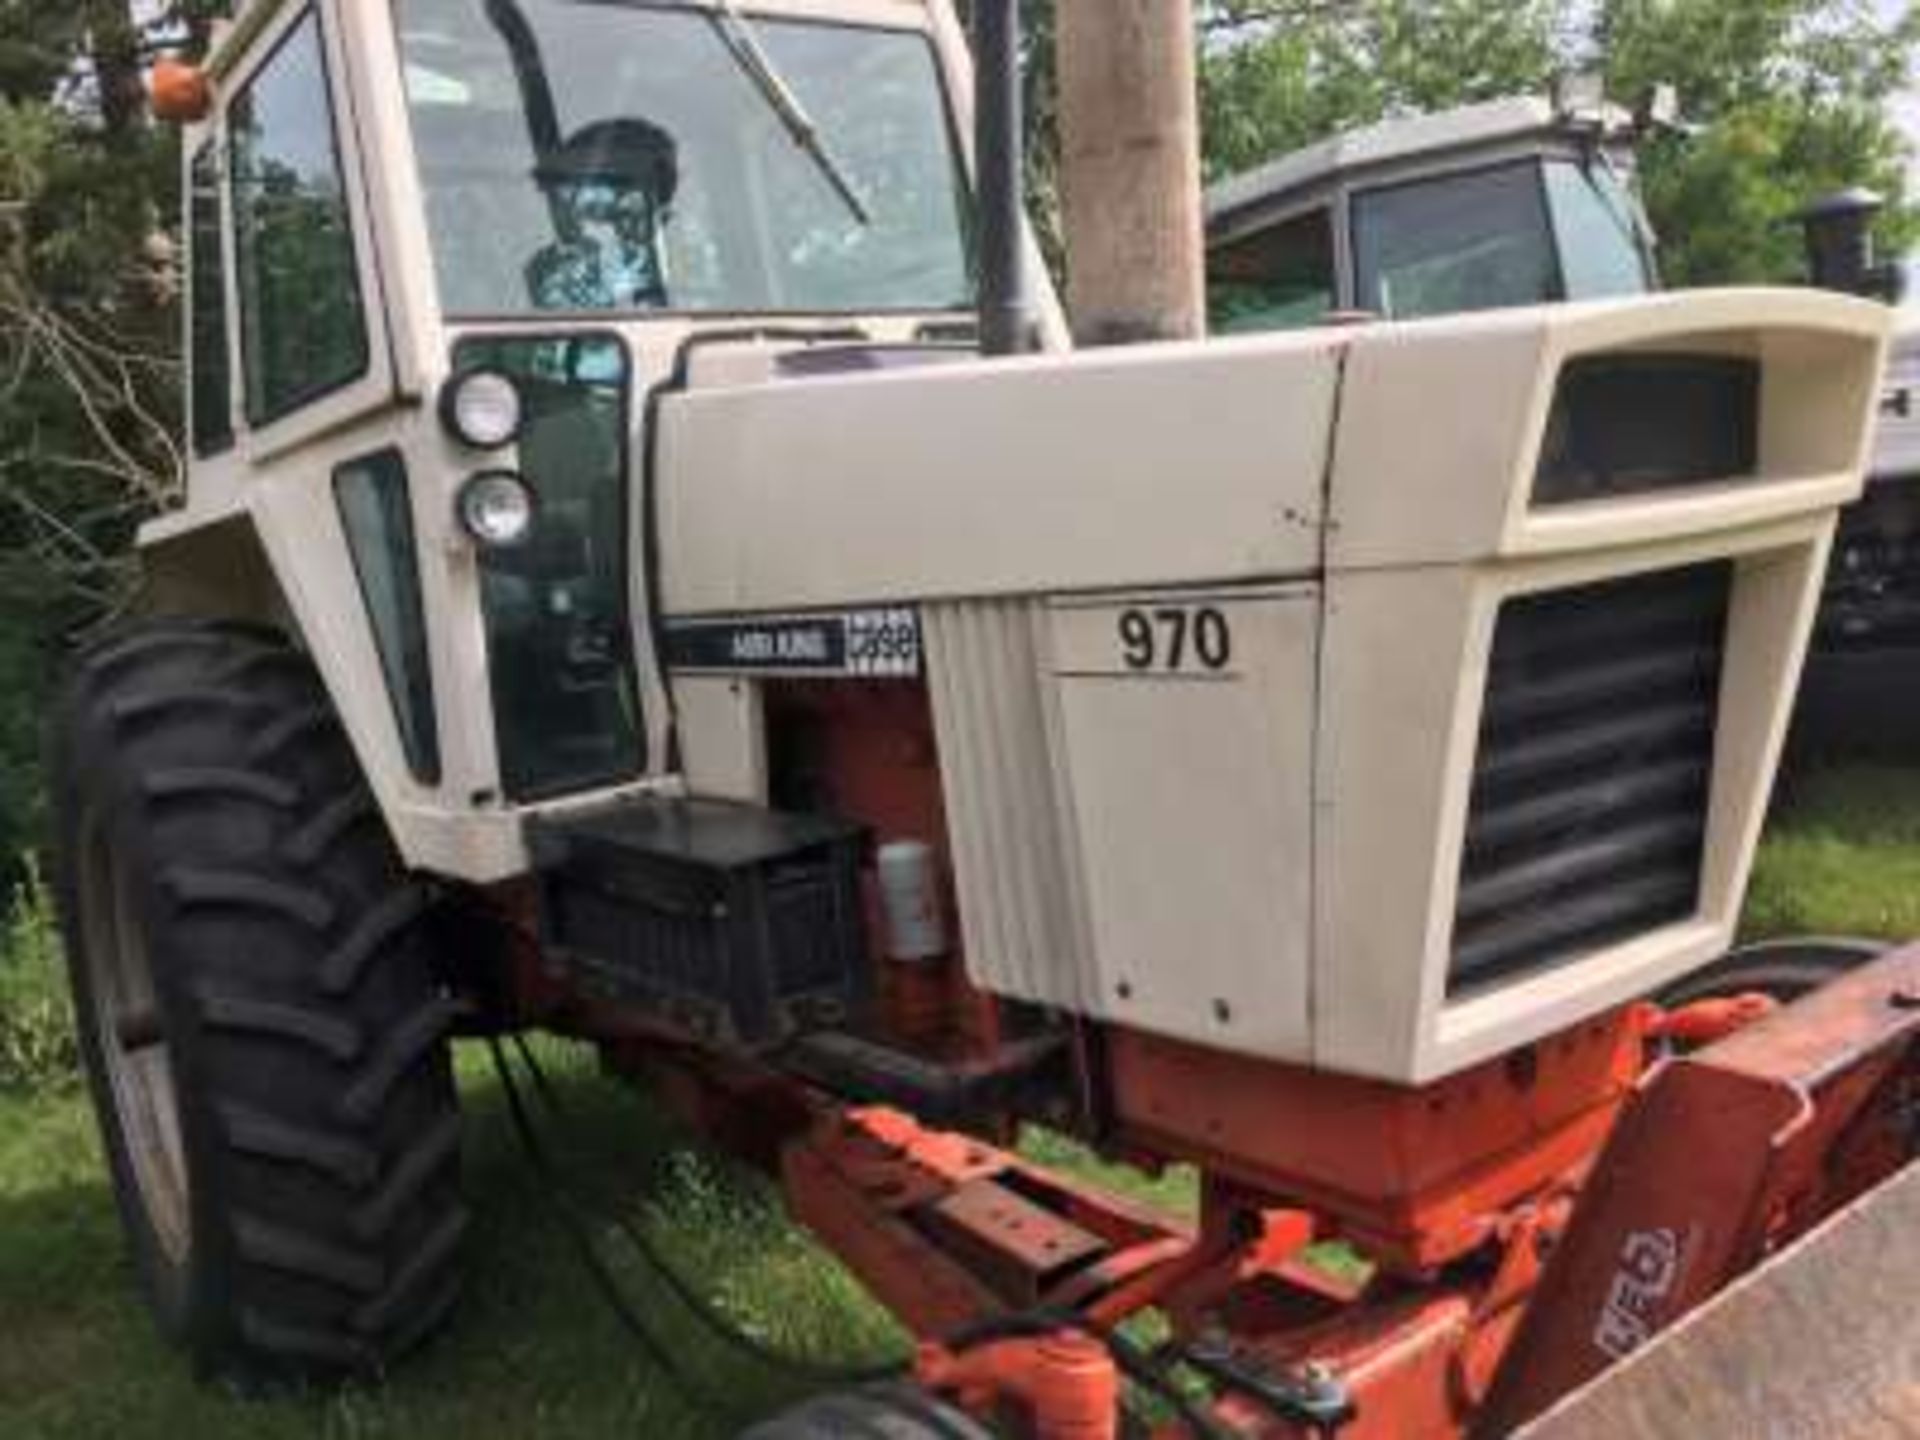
[{"x": 259, "y": 1017}]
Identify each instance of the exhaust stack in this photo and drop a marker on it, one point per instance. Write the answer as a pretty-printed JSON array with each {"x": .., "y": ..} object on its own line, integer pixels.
[
  {"x": 999, "y": 154},
  {"x": 1839, "y": 240}
]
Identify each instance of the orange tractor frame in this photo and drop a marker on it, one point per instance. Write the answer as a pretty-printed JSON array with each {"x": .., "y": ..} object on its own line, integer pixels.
[{"x": 1509, "y": 1232}]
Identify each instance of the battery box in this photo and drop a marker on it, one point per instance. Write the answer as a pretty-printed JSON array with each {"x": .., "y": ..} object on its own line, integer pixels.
[{"x": 741, "y": 924}]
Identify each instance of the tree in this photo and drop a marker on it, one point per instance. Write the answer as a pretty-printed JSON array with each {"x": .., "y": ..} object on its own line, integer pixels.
[
  {"x": 1793, "y": 97},
  {"x": 1278, "y": 76},
  {"x": 89, "y": 377}
]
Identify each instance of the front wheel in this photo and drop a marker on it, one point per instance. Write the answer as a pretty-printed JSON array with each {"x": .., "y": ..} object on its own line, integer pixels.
[
  {"x": 896, "y": 1411},
  {"x": 260, "y": 1023},
  {"x": 1784, "y": 970}
]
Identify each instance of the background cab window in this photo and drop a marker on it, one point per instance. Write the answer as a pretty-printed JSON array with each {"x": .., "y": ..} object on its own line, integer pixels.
[
  {"x": 1472, "y": 241},
  {"x": 1274, "y": 279}
]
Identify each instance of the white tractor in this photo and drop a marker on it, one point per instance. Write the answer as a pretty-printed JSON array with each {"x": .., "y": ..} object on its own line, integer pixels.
[{"x": 619, "y": 592}]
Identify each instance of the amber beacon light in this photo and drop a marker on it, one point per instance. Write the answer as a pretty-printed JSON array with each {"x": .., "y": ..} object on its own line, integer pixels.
[{"x": 181, "y": 92}]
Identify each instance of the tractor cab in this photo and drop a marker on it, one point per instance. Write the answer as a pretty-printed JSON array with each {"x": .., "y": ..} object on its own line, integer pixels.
[
  {"x": 448, "y": 253},
  {"x": 1512, "y": 202}
]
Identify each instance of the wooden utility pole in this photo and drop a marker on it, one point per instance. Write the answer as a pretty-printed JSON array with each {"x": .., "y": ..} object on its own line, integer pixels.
[{"x": 1130, "y": 170}]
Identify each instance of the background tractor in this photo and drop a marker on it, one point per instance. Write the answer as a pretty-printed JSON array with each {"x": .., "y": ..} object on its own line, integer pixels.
[
  {"x": 653, "y": 571},
  {"x": 1523, "y": 201}
]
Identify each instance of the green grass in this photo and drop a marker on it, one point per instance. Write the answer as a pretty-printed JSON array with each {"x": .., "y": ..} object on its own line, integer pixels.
[
  {"x": 534, "y": 1352},
  {"x": 1841, "y": 857},
  {"x": 37, "y": 1050}
]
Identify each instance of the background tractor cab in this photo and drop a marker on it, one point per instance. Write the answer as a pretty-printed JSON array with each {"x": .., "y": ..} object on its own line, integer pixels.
[{"x": 1510, "y": 202}]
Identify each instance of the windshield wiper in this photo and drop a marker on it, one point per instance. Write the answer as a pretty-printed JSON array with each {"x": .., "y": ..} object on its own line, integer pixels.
[{"x": 745, "y": 47}]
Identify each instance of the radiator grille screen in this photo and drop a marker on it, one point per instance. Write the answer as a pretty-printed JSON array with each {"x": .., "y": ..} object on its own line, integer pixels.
[{"x": 1589, "y": 807}]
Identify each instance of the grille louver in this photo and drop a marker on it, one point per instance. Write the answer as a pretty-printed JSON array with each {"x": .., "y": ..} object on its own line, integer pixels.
[{"x": 1589, "y": 807}]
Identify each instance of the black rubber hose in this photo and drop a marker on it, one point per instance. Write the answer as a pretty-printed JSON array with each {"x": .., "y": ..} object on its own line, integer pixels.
[
  {"x": 604, "y": 1279},
  {"x": 698, "y": 1305},
  {"x": 1133, "y": 1362}
]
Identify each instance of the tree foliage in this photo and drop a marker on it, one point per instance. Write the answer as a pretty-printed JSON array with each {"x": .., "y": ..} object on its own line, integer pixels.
[
  {"x": 1278, "y": 76},
  {"x": 1793, "y": 100},
  {"x": 88, "y": 372}
]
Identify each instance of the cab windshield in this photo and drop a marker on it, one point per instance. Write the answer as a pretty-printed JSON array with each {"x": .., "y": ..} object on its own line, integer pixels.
[
  {"x": 586, "y": 156},
  {"x": 1516, "y": 234}
]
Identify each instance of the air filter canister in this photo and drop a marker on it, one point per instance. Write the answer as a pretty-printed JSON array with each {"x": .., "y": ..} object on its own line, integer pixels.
[{"x": 910, "y": 901}]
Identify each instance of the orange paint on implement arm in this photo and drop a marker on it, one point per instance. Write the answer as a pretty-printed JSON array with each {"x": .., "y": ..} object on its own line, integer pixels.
[{"x": 1065, "y": 1385}]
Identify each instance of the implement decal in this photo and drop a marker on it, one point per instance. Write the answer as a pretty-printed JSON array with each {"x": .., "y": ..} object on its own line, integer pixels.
[{"x": 1649, "y": 1268}]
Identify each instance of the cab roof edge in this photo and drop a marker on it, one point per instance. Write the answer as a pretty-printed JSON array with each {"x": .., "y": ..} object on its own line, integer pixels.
[{"x": 232, "y": 38}]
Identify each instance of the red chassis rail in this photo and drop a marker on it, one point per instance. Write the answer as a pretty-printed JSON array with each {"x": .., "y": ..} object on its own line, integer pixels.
[{"x": 1507, "y": 1233}]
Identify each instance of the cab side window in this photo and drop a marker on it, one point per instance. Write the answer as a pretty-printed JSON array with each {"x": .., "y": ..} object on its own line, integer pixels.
[
  {"x": 1278, "y": 278},
  {"x": 376, "y": 513},
  {"x": 211, "y": 398},
  {"x": 302, "y": 322}
]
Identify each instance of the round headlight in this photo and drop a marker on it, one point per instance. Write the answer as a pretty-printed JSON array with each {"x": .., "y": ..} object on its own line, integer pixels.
[
  {"x": 497, "y": 509},
  {"x": 482, "y": 409}
]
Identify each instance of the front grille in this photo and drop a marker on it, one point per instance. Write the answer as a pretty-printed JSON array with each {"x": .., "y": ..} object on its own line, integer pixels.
[{"x": 1589, "y": 808}]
